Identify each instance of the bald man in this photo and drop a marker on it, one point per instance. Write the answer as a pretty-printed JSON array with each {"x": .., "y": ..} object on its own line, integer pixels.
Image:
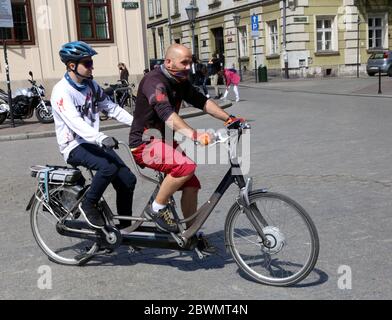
[{"x": 159, "y": 98}]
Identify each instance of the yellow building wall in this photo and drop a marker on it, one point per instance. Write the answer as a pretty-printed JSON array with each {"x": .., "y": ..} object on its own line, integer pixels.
[
  {"x": 269, "y": 13},
  {"x": 325, "y": 8}
]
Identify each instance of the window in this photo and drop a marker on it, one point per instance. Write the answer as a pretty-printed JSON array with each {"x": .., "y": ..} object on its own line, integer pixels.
[
  {"x": 176, "y": 10},
  {"x": 151, "y": 8},
  {"x": 94, "y": 19},
  {"x": 161, "y": 43},
  {"x": 376, "y": 32},
  {"x": 324, "y": 34},
  {"x": 243, "y": 35},
  {"x": 158, "y": 7},
  {"x": 214, "y": 3},
  {"x": 196, "y": 46},
  {"x": 22, "y": 32},
  {"x": 273, "y": 37}
]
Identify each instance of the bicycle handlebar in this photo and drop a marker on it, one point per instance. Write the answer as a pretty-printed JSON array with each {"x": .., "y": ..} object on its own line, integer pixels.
[{"x": 219, "y": 138}]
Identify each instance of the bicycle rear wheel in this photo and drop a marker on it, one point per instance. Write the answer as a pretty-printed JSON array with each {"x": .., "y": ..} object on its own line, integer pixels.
[
  {"x": 61, "y": 249},
  {"x": 294, "y": 244}
]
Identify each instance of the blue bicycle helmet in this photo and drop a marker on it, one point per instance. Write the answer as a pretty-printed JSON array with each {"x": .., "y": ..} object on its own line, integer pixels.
[{"x": 75, "y": 51}]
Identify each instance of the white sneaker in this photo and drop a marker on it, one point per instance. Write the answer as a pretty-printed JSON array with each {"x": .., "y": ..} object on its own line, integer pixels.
[
  {"x": 237, "y": 100},
  {"x": 223, "y": 98}
]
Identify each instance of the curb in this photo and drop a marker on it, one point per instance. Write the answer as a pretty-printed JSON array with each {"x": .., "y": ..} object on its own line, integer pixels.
[
  {"x": 52, "y": 133},
  {"x": 362, "y": 95}
]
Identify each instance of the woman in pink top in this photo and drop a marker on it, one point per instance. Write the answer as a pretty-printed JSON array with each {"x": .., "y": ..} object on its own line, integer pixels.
[{"x": 231, "y": 78}]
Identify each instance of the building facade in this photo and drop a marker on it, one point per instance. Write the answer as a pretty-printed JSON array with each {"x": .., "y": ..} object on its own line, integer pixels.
[
  {"x": 306, "y": 37},
  {"x": 114, "y": 30},
  {"x": 157, "y": 16}
]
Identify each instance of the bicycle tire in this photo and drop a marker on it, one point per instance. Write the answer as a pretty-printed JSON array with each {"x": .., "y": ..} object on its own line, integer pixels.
[
  {"x": 272, "y": 232},
  {"x": 87, "y": 248}
]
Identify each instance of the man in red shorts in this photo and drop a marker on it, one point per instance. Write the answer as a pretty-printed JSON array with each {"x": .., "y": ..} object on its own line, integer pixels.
[{"x": 159, "y": 98}]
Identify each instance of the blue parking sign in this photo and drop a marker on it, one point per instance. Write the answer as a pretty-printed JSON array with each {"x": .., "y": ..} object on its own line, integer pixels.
[{"x": 255, "y": 25}]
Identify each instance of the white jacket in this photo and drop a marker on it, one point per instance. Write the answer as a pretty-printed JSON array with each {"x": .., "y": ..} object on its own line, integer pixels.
[{"x": 75, "y": 119}]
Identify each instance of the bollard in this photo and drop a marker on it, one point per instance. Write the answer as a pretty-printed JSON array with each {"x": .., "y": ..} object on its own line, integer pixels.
[{"x": 379, "y": 81}]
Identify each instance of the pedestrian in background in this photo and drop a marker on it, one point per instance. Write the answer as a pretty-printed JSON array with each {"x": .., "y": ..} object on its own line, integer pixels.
[
  {"x": 124, "y": 73},
  {"x": 192, "y": 73},
  {"x": 214, "y": 66},
  {"x": 198, "y": 75},
  {"x": 231, "y": 77}
]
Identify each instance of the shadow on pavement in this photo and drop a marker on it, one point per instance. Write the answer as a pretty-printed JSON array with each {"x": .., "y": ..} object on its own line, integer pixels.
[
  {"x": 182, "y": 260},
  {"x": 188, "y": 260},
  {"x": 315, "y": 278}
]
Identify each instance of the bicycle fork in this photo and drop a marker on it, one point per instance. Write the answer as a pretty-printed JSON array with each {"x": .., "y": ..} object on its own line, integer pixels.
[{"x": 252, "y": 212}]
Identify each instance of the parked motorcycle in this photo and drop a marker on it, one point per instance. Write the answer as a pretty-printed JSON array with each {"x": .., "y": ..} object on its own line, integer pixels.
[{"x": 25, "y": 101}]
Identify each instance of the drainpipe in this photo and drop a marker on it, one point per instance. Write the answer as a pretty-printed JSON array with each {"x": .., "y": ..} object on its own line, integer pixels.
[
  {"x": 144, "y": 31},
  {"x": 285, "y": 56},
  {"x": 170, "y": 23}
]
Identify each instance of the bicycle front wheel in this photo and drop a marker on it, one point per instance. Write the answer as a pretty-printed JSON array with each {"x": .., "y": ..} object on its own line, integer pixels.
[
  {"x": 293, "y": 247},
  {"x": 60, "y": 249}
]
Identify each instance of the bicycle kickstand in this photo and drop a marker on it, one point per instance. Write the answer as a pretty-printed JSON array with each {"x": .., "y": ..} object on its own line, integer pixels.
[{"x": 201, "y": 255}]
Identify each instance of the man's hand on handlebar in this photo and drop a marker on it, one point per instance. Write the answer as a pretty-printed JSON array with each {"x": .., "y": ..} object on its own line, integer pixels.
[
  {"x": 233, "y": 122},
  {"x": 110, "y": 143},
  {"x": 203, "y": 138}
]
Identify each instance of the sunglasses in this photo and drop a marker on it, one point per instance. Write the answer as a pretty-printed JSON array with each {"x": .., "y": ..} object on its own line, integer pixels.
[{"x": 87, "y": 63}]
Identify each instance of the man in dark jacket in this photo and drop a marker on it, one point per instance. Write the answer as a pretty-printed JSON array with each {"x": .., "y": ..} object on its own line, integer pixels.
[{"x": 214, "y": 67}]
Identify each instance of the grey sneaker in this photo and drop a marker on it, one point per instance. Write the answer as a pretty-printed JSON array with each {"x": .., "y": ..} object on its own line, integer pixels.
[{"x": 162, "y": 219}]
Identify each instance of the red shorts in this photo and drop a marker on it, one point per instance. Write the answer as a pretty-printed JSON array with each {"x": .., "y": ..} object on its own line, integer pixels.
[{"x": 162, "y": 157}]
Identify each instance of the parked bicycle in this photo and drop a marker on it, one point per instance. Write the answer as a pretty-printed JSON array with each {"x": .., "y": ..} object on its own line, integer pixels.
[
  {"x": 271, "y": 237},
  {"x": 122, "y": 94}
]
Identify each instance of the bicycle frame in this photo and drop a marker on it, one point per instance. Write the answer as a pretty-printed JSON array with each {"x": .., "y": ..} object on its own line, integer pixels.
[{"x": 202, "y": 214}]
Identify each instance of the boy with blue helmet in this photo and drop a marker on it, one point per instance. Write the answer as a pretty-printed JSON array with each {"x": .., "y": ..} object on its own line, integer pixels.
[
  {"x": 77, "y": 100},
  {"x": 74, "y": 52}
]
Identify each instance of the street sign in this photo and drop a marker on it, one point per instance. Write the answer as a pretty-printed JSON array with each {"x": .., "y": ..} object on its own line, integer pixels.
[
  {"x": 130, "y": 5},
  {"x": 6, "y": 20},
  {"x": 255, "y": 26}
]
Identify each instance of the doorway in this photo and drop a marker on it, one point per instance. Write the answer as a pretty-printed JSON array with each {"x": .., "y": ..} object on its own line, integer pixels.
[{"x": 219, "y": 41}]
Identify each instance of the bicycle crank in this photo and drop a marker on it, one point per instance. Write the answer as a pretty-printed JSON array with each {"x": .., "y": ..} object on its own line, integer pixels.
[
  {"x": 275, "y": 240},
  {"x": 111, "y": 238}
]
